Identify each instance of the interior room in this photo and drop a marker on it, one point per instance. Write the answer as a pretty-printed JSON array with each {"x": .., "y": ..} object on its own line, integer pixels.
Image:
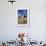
[{"x": 36, "y": 30}]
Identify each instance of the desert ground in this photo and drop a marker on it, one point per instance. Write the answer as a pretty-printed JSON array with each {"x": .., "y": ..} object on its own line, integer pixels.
[{"x": 22, "y": 19}]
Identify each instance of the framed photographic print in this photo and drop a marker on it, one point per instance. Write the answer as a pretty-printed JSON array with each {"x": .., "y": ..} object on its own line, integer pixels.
[{"x": 22, "y": 17}]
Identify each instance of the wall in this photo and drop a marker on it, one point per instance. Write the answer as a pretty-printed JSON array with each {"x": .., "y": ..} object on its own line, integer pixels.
[{"x": 8, "y": 29}]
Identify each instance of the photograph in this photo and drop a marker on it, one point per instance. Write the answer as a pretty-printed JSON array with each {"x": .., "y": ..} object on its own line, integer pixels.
[{"x": 22, "y": 16}]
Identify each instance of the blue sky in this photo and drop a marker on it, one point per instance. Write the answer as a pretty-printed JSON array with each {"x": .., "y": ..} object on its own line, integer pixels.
[{"x": 22, "y": 12}]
